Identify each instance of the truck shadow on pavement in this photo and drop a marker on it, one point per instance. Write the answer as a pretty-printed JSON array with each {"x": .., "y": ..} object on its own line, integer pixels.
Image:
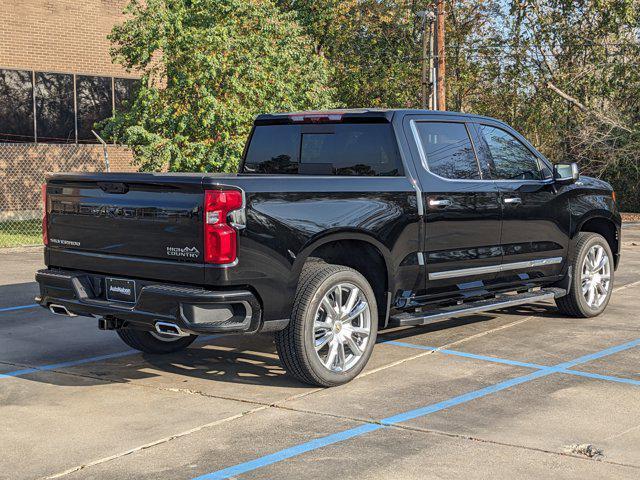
[
  {"x": 15, "y": 294},
  {"x": 231, "y": 359},
  {"x": 244, "y": 360}
]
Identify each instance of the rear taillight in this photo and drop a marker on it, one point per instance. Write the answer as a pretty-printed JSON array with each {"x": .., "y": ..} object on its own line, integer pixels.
[
  {"x": 220, "y": 237},
  {"x": 45, "y": 232}
]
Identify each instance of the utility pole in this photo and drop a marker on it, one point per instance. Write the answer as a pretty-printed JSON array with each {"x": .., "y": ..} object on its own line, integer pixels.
[
  {"x": 424, "y": 62},
  {"x": 441, "y": 64},
  {"x": 428, "y": 54}
]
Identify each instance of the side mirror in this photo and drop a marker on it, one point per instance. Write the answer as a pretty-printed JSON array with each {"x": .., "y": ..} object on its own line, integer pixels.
[{"x": 566, "y": 173}]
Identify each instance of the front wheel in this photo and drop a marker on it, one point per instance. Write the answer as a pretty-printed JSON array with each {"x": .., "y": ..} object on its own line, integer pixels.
[
  {"x": 592, "y": 277},
  {"x": 152, "y": 342},
  {"x": 333, "y": 326}
]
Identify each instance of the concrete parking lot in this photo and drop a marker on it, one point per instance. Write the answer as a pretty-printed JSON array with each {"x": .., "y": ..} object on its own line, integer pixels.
[{"x": 521, "y": 393}]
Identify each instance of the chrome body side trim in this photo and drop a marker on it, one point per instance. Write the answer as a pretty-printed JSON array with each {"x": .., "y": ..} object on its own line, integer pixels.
[{"x": 464, "y": 272}]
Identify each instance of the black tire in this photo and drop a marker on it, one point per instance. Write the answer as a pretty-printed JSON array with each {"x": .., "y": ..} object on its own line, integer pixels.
[
  {"x": 296, "y": 343},
  {"x": 574, "y": 303},
  {"x": 148, "y": 343}
]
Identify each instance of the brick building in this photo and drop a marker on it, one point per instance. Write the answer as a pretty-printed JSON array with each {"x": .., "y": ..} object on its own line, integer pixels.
[{"x": 56, "y": 81}]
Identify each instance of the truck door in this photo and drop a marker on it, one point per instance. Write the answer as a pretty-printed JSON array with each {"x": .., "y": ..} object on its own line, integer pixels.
[
  {"x": 462, "y": 209},
  {"x": 535, "y": 220}
]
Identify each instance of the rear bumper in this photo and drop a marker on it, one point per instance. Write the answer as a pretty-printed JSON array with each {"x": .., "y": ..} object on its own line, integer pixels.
[{"x": 194, "y": 310}]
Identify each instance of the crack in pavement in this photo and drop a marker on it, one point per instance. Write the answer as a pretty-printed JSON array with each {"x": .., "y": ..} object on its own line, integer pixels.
[{"x": 154, "y": 443}]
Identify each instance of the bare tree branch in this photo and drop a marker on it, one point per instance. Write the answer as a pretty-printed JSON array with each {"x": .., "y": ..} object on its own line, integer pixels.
[{"x": 582, "y": 107}]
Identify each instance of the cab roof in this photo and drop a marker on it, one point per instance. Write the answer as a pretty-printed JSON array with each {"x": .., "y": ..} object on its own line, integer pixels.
[{"x": 352, "y": 115}]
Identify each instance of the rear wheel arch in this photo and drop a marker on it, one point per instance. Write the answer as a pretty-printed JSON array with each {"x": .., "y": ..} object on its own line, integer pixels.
[{"x": 360, "y": 252}]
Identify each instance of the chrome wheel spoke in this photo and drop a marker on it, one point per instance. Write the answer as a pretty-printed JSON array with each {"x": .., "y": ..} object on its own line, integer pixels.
[
  {"x": 337, "y": 293},
  {"x": 342, "y": 359},
  {"x": 354, "y": 295},
  {"x": 329, "y": 308},
  {"x": 331, "y": 356},
  {"x": 322, "y": 341},
  {"x": 353, "y": 346},
  {"x": 604, "y": 261},
  {"x": 360, "y": 331},
  {"x": 591, "y": 294},
  {"x": 356, "y": 312},
  {"x": 319, "y": 325}
]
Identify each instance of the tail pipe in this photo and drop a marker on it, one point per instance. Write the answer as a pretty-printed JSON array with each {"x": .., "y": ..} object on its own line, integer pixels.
[
  {"x": 166, "y": 328},
  {"x": 60, "y": 310}
]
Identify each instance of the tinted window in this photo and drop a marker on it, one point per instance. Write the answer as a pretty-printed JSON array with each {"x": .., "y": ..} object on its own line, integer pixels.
[
  {"x": 344, "y": 149},
  {"x": 54, "y": 108},
  {"x": 448, "y": 149},
  {"x": 510, "y": 159},
  {"x": 124, "y": 90},
  {"x": 16, "y": 106},
  {"x": 273, "y": 149},
  {"x": 94, "y": 103}
]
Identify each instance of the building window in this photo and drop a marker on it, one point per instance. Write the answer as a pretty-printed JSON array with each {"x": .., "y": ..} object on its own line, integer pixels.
[
  {"x": 60, "y": 117},
  {"x": 16, "y": 106},
  {"x": 55, "y": 113},
  {"x": 94, "y": 100},
  {"x": 124, "y": 90}
]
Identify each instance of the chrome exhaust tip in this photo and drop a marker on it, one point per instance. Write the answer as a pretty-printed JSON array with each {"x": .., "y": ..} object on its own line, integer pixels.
[
  {"x": 60, "y": 310},
  {"x": 166, "y": 328}
]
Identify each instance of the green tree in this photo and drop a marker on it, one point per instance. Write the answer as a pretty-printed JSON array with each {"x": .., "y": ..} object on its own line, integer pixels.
[
  {"x": 208, "y": 67},
  {"x": 372, "y": 45}
]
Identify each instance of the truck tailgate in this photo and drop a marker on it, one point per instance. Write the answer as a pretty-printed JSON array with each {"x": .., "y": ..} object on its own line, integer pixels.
[{"x": 135, "y": 215}]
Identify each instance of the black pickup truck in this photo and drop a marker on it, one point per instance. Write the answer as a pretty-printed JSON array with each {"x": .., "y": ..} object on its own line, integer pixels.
[{"x": 338, "y": 224}]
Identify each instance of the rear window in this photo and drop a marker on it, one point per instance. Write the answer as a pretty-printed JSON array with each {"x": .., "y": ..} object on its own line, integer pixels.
[{"x": 343, "y": 149}]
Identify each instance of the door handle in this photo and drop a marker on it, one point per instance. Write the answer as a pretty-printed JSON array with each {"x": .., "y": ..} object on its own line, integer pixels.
[
  {"x": 512, "y": 200},
  {"x": 439, "y": 203}
]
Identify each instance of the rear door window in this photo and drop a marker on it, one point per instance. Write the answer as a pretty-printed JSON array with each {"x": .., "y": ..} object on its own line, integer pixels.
[
  {"x": 331, "y": 149},
  {"x": 448, "y": 150},
  {"x": 509, "y": 158}
]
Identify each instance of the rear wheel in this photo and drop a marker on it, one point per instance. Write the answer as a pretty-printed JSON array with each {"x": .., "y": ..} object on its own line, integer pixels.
[
  {"x": 333, "y": 326},
  {"x": 152, "y": 342},
  {"x": 592, "y": 277}
]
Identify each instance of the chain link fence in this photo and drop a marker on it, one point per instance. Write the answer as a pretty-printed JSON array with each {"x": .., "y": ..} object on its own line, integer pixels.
[{"x": 23, "y": 167}]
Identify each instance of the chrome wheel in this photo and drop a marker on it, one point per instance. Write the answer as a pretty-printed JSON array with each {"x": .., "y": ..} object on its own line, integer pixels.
[
  {"x": 596, "y": 276},
  {"x": 342, "y": 327}
]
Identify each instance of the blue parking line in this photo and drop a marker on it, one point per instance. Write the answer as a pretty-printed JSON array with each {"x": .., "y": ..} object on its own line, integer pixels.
[
  {"x": 598, "y": 376},
  {"x": 597, "y": 355},
  {"x": 467, "y": 355},
  {"x": 19, "y": 307},
  {"x": 520, "y": 364},
  {"x": 81, "y": 361},
  {"x": 291, "y": 452},
  {"x": 405, "y": 416},
  {"x": 72, "y": 363},
  {"x": 452, "y": 402}
]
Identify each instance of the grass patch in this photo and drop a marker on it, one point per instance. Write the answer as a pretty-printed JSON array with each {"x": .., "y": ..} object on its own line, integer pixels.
[{"x": 21, "y": 232}]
